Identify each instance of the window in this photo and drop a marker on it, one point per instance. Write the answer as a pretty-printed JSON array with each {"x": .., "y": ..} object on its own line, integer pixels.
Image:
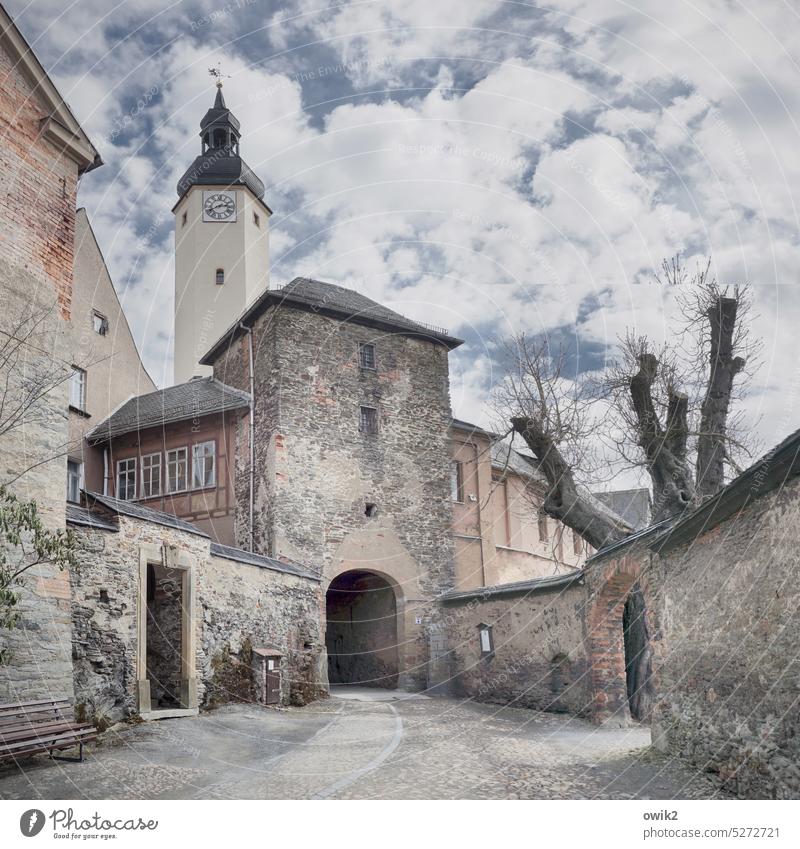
[
  {"x": 184, "y": 219},
  {"x": 126, "y": 479},
  {"x": 256, "y": 219},
  {"x": 77, "y": 389},
  {"x": 151, "y": 475},
  {"x": 100, "y": 323},
  {"x": 456, "y": 481},
  {"x": 177, "y": 470},
  {"x": 543, "y": 535},
  {"x": 203, "y": 465},
  {"x": 74, "y": 481},
  {"x": 487, "y": 642},
  {"x": 366, "y": 355},
  {"x": 220, "y": 276},
  {"x": 369, "y": 420},
  {"x": 577, "y": 543},
  {"x": 370, "y": 510}
]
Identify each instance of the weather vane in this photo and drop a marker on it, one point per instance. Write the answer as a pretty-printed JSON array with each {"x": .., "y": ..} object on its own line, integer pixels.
[{"x": 216, "y": 72}]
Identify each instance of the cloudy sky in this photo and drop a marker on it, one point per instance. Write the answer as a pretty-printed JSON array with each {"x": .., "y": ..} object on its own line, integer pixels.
[{"x": 482, "y": 165}]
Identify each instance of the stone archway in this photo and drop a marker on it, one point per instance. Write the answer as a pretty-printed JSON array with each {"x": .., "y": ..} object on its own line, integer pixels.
[
  {"x": 619, "y": 640},
  {"x": 362, "y": 632}
]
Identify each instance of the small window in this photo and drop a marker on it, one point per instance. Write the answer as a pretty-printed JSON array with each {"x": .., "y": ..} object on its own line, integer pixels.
[
  {"x": 203, "y": 465},
  {"x": 577, "y": 544},
  {"x": 369, "y": 420},
  {"x": 77, "y": 389},
  {"x": 184, "y": 218},
  {"x": 74, "y": 481},
  {"x": 486, "y": 639},
  {"x": 256, "y": 219},
  {"x": 456, "y": 481},
  {"x": 543, "y": 532},
  {"x": 99, "y": 323},
  {"x": 126, "y": 479},
  {"x": 366, "y": 355},
  {"x": 151, "y": 475},
  {"x": 177, "y": 470},
  {"x": 370, "y": 510},
  {"x": 220, "y": 277}
]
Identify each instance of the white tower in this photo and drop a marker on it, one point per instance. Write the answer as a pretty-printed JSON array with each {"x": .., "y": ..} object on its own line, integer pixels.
[{"x": 221, "y": 241}]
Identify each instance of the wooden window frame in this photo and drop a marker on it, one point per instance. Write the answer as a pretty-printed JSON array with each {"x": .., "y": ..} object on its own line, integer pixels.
[
  {"x": 144, "y": 494},
  {"x": 118, "y": 491},
  {"x": 167, "y": 489},
  {"x": 213, "y": 456}
]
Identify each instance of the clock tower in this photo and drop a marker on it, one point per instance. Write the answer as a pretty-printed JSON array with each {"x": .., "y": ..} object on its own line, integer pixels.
[{"x": 221, "y": 241}]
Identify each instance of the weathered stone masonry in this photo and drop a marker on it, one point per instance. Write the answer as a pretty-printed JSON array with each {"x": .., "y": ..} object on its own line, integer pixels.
[
  {"x": 316, "y": 471},
  {"x": 237, "y": 607}
]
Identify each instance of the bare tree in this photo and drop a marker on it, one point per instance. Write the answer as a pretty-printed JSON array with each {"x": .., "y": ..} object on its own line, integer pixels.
[{"x": 668, "y": 408}]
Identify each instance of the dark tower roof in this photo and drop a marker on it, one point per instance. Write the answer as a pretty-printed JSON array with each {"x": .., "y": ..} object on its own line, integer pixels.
[{"x": 219, "y": 162}]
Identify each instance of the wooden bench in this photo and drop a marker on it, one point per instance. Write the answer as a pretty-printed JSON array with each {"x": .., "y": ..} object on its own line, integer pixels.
[{"x": 48, "y": 725}]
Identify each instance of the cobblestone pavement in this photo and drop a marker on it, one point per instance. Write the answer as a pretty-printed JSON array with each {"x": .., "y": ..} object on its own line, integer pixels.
[{"x": 369, "y": 746}]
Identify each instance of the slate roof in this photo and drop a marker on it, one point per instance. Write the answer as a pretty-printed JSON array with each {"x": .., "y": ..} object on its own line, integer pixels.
[
  {"x": 199, "y": 397},
  {"x": 214, "y": 169},
  {"x": 336, "y": 301},
  {"x": 146, "y": 514},
  {"x": 77, "y": 515},
  {"x": 551, "y": 582},
  {"x": 241, "y": 556},
  {"x": 633, "y": 505}
]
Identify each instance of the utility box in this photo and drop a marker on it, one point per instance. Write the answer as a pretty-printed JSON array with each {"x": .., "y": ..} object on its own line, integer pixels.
[{"x": 267, "y": 674}]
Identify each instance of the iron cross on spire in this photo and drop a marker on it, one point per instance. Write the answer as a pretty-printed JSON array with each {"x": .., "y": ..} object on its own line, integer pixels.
[{"x": 216, "y": 72}]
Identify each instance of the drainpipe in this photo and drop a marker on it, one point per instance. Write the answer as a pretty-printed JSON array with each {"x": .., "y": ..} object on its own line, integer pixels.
[
  {"x": 249, "y": 332},
  {"x": 105, "y": 471}
]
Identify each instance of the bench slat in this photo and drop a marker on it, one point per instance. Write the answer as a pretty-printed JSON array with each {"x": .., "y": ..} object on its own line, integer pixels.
[
  {"x": 48, "y": 741},
  {"x": 36, "y": 715},
  {"x": 22, "y": 706},
  {"x": 29, "y": 732}
]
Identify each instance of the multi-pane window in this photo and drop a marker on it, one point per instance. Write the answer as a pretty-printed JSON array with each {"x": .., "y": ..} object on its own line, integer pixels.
[
  {"x": 74, "y": 480},
  {"x": 151, "y": 475},
  {"x": 203, "y": 464},
  {"x": 368, "y": 422},
  {"x": 126, "y": 479},
  {"x": 99, "y": 323},
  {"x": 486, "y": 640},
  {"x": 456, "y": 481},
  {"x": 366, "y": 355},
  {"x": 77, "y": 388},
  {"x": 177, "y": 470},
  {"x": 543, "y": 534}
]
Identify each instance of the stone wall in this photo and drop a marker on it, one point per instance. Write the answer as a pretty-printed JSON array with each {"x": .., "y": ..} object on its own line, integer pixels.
[
  {"x": 728, "y": 670},
  {"x": 237, "y": 607},
  {"x": 316, "y": 472},
  {"x": 539, "y": 658}
]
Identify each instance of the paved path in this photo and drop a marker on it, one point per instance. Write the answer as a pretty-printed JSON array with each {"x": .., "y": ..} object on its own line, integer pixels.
[{"x": 365, "y": 744}]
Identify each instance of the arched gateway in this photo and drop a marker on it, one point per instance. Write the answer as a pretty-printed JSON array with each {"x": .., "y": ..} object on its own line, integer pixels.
[{"x": 363, "y": 634}]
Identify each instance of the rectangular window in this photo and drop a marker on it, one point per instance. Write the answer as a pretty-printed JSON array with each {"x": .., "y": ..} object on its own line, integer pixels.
[
  {"x": 487, "y": 642},
  {"x": 369, "y": 420},
  {"x": 456, "y": 481},
  {"x": 177, "y": 470},
  {"x": 126, "y": 479},
  {"x": 203, "y": 464},
  {"x": 151, "y": 475},
  {"x": 99, "y": 323},
  {"x": 543, "y": 533},
  {"x": 366, "y": 355},
  {"x": 77, "y": 389},
  {"x": 74, "y": 481},
  {"x": 577, "y": 543}
]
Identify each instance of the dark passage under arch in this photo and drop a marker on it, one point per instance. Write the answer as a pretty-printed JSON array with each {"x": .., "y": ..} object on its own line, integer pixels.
[{"x": 361, "y": 633}]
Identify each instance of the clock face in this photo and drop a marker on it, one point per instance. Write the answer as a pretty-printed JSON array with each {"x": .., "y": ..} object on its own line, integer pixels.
[{"x": 219, "y": 206}]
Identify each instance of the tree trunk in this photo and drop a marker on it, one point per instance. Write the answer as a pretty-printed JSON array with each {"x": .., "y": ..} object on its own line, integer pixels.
[
  {"x": 723, "y": 368},
  {"x": 564, "y": 501},
  {"x": 664, "y": 448}
]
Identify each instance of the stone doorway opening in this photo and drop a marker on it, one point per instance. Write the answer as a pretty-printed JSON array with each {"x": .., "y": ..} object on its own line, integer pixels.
[
  {"x": 164, "y": 638},
  {"x": 636, "y": 645},
  {"x": 362, "y": 630}
]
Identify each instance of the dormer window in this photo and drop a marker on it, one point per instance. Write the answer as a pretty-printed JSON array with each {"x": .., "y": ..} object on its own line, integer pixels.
[{"x": 220, "y": 276}]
